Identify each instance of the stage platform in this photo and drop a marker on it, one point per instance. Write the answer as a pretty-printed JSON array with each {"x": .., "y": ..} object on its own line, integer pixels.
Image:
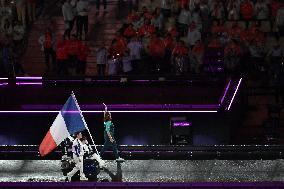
[{"x": 160, "y": 171}]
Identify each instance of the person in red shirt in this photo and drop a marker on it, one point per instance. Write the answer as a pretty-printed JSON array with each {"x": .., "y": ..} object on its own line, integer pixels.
[
  {"x": 169, "y": 42},
  {"x": 73, "y": 47},
  {"x": 183, "y": 3},
  {"x": 173, "y": 32},
  {"x": 62, "y": 57},
  {"x": 156, "y": 50},
  {"x": 247, "y": 10},
  {"x": 156, "y": 47},
  {"x": 219, "y": 28},
  {"x": 116, "y": 49},
  {"x": 82, "y": 55},
  {"x": 121, "y": 44},
  {"x": 146, "y": 29},
  {"x": 129, "y": 31},
  {"x": 180, "y": 49},
  {"x": 132, "y": 16},
  {"x": 146, "y": 14}
]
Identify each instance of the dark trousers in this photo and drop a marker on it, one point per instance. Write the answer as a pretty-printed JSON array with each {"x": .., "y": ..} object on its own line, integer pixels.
[
  {"x": 101, "y": 69},
  {"x": 98, "y": 4},
  {"x": 68, "y": 31},
  {"x": 107, "y": 144},
  {"x": 81, "y": 67},
  {"x": 136, "y": 66},
  {"x": 18, "y": 68},
  {"x": 49, "y": 53},
  {"x": 62, "y": 67},
  {"x": 82, "y": 22}
]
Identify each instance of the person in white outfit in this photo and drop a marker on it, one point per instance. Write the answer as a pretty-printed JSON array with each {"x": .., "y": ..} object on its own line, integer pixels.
[
  {"x": 78, "y": 154},
  {"x": 68, "y": 16},
  {"x": 184, "y": 19},
  {"x": 193, "y": 35},
  {"x": 82, "y": 18},
  {"x": 135, "y": 48},
  {"x": 101, "y": 60}
]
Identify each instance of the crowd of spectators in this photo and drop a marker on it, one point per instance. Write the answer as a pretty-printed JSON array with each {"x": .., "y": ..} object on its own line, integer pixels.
[
  {"x": 15, "y": 18},
  {"x": 168, "y": 37},
  {"x": 68, "y": 56},
  {"x": 197, "y": 36}
]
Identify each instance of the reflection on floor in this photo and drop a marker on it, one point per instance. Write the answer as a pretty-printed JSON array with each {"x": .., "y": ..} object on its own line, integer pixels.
[{"x": 152, "y": 171}]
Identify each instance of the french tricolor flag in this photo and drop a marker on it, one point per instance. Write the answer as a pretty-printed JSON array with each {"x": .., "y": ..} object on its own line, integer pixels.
[{"x": 68, "y": 121}]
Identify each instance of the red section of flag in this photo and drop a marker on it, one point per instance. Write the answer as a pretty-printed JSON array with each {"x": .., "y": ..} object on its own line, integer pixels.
[{"x": 47, "y": 145}]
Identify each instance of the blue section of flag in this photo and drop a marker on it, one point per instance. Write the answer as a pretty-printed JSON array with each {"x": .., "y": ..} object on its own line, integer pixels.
[{"x": 72, "y": 116}]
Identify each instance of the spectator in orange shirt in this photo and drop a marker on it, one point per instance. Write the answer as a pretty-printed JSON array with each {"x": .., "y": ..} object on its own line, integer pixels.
[
  {"x": 169, "y": 42},
  {"x": 146, "y": 29},
  {"x": 183, "y": 3},
  {"x": 121, "y": 44},
  {"x": 156, "y": 47},
  {"x": 83, "y": 53},
  {"x": 129, "y": 31},
  {"x": 73, "y": 46},
  {"x": 62, "y": 57},
  {"x": 247, "y": 11},
  {"x": 218, "y": 28},
  {"x": 146, "y": 14},
  {"x": 180, "y": 49},
  {"x": 173, "y": 32},
  {"x": 132, "y": 16},
  {"x": 114, "y": 50}
]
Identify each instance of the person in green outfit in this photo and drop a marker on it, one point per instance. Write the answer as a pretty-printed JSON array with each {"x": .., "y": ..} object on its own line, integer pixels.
[{"x": 109, "y": 136}]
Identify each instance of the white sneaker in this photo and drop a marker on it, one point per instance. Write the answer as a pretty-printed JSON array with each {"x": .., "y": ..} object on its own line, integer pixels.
[
  {"x": 120, "y": 159},
  {"x": 83, "y": 178}
]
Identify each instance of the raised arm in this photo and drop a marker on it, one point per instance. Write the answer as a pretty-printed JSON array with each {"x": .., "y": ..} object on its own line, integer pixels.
[{"x": 105, "y": 109}]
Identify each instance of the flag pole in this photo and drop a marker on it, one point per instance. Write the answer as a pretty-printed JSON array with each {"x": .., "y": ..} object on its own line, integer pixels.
[{"x": 74, "y": 97}]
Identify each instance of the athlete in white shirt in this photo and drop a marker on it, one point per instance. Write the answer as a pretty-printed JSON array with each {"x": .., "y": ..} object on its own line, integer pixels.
[{"x": 78, "y": 153}]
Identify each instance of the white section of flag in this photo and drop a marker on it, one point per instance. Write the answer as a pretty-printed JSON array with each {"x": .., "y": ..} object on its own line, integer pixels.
[{"x": 58, "y": 130}]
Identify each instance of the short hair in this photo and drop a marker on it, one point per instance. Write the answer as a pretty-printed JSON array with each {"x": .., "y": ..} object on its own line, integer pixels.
[{"x": 76, "y": 134}]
